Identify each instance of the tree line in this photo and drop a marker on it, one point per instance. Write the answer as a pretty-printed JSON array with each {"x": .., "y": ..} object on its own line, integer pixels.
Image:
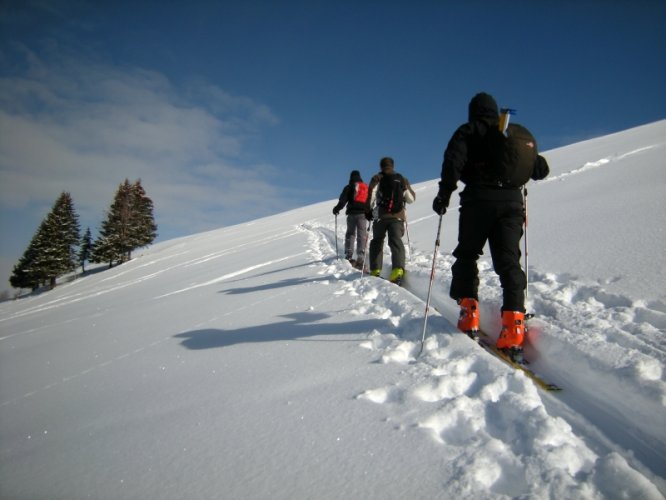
[{"x": 57, "y": 247}]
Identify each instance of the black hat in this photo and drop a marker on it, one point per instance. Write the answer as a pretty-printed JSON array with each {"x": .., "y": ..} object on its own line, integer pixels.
[
  {"x": 481, "y": 106},
  {"x": 386, "y": 163},
  {"x": 355, "y": 176}
]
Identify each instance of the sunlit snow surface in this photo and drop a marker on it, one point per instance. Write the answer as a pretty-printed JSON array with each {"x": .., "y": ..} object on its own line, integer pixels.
[{"x": 251, "y": 363}]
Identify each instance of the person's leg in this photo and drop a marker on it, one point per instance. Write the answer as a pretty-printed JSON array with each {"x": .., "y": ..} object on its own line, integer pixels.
[
  {"x": 396, "y": 230},
  {"x": 473, "y": 226},
  {"x": 349, "y": 237},
  {"x": 361, "y": 233},
  {"x": 504, "y": 242},
  {"x": 377, "y": 245},
  {"x": 505, "y": 250}
]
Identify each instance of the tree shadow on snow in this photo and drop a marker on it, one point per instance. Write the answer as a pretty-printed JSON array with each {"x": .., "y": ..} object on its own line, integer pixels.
[
  {"x": 285, "y": 282},
  {"x": 274, "y": 271},
  {"x": 270, "y": 285},
  {"x": 296, "y": 326}
]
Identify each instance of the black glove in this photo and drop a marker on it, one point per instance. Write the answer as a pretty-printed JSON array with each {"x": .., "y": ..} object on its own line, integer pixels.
[
  {"x": 439, "y": 205},
  {"x": 336, "y": 210},
  {"x": 368, "y": 215}
]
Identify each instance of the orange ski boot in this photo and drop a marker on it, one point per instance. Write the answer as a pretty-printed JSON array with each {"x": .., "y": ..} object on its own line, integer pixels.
[
  {"x": 512, "y": 335},
  {"x": 468, "y": 321}
]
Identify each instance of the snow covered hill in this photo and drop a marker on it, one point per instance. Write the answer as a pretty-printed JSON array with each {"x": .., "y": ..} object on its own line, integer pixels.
[{"x": 251, "y": 363}]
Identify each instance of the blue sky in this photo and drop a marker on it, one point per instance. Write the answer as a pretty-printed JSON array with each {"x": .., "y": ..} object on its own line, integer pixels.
[{"x": 232, "y": 110}]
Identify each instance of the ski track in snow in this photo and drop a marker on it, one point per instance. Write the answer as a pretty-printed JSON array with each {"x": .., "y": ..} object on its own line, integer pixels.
[
  {"x": 596, "y": 164},
  {"x": 230, "y": 275},
  {"x": 467, "y": 400},
  {"x": 130, "y": 268}
]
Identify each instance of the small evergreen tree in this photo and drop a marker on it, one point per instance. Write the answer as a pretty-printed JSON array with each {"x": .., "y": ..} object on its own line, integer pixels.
[
  {"x": 85, "y": 249},
  {"x": 51, "y": 252},
  {"x": 24, "y": 274},
  {"x": 129, "y": 225},
  {"x": 109, "y": 246},
  {"x": 143, "y": 229}
]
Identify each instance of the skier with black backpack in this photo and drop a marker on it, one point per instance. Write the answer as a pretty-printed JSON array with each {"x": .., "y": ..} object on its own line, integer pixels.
[
  {"x": 389, "y": 192},
  {"x": 494, "y": 162},
  {"x": 354, "y": 195}
]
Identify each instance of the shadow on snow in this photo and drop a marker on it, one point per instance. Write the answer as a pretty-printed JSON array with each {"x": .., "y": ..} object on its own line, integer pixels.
[{"x": 295, "y": 326}]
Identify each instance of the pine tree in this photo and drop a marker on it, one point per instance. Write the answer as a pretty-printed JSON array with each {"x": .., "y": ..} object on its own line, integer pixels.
[
  {"x": 143, "y": 229},
  {"x": 51, "y": 252},
  {"x": 129, "y": 225},
  {"x": 24, "y": 274},
  {"x": 109, "y": 247},
  {"x": 85, "y": 249}
]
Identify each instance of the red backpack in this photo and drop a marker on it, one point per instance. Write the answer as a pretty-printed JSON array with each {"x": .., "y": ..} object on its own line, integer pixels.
[{"x": 360, "y": 192}]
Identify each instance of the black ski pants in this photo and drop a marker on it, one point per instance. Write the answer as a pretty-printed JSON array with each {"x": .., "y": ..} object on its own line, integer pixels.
[
  {"x": 395, "y": 228},
  {"x": 500, "y": 223}
]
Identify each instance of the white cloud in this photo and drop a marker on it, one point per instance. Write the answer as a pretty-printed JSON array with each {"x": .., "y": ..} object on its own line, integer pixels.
[{"x": 83, "y": 127}]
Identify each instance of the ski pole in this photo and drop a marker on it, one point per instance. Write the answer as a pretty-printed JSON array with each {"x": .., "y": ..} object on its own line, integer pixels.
[
  {"x": 527, "y": 272},
  {"x": 409, "y": 243},
  {"x": 432, "y": 277},
  {"x": 337, "y": 252}
]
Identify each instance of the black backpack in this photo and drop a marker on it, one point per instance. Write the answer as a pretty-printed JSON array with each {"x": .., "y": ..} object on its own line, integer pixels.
[
  {"x": 511, "y": 156},
  {"x": 391, "y": 193}
]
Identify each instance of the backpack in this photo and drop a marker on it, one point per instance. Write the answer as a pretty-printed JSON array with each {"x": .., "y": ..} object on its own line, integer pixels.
[
  {"x": 511, "y": 156},
  {"x": 391, "y": 193},
  {"x": 360, "y": 194}
]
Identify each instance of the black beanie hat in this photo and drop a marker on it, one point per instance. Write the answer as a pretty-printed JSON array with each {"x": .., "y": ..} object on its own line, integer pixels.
[
  {"x": 355, "y": 176},
  {"x": 386, "y": 163},
  {"x": 481, "y": 106}
]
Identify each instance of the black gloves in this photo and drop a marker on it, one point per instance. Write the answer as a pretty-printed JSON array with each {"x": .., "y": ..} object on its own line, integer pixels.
[
  {"x": 439, "y": 205},
  {"x": 441, "y": 201},
  {"x": 336, "y": 210},
  {"x": 368, "y": 215}
]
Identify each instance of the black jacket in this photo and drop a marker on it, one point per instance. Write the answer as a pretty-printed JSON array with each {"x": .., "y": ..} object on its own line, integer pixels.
[
  {"x": 347, "y": 197},
  {"x": 464, "y": 158}
]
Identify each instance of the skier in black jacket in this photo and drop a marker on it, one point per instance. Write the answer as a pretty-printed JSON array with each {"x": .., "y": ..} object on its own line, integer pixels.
[
  {"x": 488, "y": 212},
  {"x": 356, "y": 224}
]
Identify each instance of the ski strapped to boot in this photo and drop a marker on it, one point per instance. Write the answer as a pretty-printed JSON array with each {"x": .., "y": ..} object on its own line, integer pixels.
[
  {"x": 468, "y": 320},
  {"x": 397, "y": 275}
]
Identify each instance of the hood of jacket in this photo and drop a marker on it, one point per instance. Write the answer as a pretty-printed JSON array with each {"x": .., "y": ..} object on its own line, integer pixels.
[
  {"x": 355, "y": 176},
  {"x": 483, "y": 107}
]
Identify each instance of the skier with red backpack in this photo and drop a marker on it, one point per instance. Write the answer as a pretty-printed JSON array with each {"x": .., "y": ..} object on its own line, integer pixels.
[
  {"x": 389, "y": 192},
  {"x": 354, "y": 195},
  {"x": 494, "y": 162}
]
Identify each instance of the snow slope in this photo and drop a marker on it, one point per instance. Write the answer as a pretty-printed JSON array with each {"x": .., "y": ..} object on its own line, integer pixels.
[{"x": 250, "y": 363}]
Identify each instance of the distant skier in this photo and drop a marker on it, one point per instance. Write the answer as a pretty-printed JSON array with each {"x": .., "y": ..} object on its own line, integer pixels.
[
  {"x": 491, "y": 210},
  {"x": 354, "y": 195},
  {"x": 389, "y": 192}
]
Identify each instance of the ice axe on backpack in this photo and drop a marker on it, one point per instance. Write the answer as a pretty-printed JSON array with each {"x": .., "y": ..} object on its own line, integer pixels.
[{"x": 505, "y": 116}]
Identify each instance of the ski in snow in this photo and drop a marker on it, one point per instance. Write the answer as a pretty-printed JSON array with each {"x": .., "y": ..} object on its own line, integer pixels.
[{"x": 486, "y": 342}]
